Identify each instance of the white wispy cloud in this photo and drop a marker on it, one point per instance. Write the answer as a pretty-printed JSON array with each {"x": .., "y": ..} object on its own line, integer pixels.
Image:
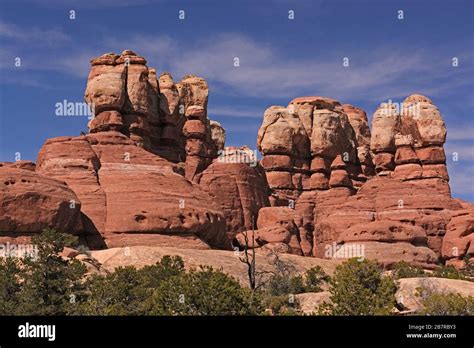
[
  {"x": 465, "y": 132},
  {"x": 29, "y": 81},
  {"x": 32, "y": 36},
  {"x": 77, "y": 65},
  {"x": 235, "y": 111},
  {"x": 267, "y": 71}
]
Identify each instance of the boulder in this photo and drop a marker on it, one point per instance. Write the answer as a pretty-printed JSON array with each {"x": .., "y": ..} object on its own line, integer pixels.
[
  {"x": 193, "y": 91},
  {"x": 309, "y": 302},
  {"x": 110, "y": 120},
  {"x": 409, "y": 295},
  {"x": 32, "y": 202},
  {"x": 385, "y": 125}
]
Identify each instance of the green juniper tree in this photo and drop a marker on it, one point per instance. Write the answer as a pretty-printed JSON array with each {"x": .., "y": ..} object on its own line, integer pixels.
[
  {"x": 203, "y": 292},
  {"x": 11, "y": 275},
  {"x": 51, "y": 285},
  {"x": 359, "y": 288}
]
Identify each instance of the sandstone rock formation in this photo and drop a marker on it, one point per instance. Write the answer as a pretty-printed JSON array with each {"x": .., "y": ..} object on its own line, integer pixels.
[
  {"x": 409, "y": 142},
  {"x": 360, "y": 124},
  {"x": 217, "y": 136},
  {"x": 149, "y": 139},
  {"x": 276, "y": 230},
  {"x": 164, "y": 118},
  {"x": 20, "y": 164},
  {"x": 132, "y": 176},
  {"x": 283, "y": 141},
  {"x": 385, "y": 195},
  {"x": 311, "y": 145},
  {"x": 154, "y": 170}
]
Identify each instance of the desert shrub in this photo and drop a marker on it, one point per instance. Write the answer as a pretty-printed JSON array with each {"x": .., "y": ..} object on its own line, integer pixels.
[
  {"x": 282, "y": 280},
  {"x": 203, "y": 292},
  {"x": 284, "y": 284},
  {"x": 448, "y": 272},
  {"x": 468, "y": 270},
  {"x": 117, "y": 293},
  {"x": 285, "y": 281},
  {"x": 282, "y": 305},
  {"x": 448, "y": 304},
  {"x": 280, "y": 288},
  {"x": 403, "y": 269},
  {"x": 168, "y": 266},
  {"x": 167, "y": 289},
  {"x": 314, "y": 278},
  {"x": 359, "y": 288}
]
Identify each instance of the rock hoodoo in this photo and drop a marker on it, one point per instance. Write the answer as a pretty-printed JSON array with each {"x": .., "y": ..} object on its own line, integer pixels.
[{"x": 385, "y": 193}]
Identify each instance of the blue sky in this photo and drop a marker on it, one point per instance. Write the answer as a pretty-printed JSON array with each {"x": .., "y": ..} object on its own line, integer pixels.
[{"x": 279, "y": 59}]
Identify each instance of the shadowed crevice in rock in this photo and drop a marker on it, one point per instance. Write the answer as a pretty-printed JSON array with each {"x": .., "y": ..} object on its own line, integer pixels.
[{"x": 92, "y": 237}]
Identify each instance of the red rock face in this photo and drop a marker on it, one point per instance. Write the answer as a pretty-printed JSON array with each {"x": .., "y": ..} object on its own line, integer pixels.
[
  {"x": 312, "y": 145},
  {"x": 238, "y": 186},
  {"x": 284, "y": 143},
  {"x": 458, "y": 243},
  {"x": 309, "y": 147},
  {"x": 200, "y": 147},
  {"x": 387, "y": 211},
  {"x": 132, "y": 196},
  {"x": 26, "y": 165},
  {"x": 359, "y": 122},
  {"x": 31, "y": 202}
]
